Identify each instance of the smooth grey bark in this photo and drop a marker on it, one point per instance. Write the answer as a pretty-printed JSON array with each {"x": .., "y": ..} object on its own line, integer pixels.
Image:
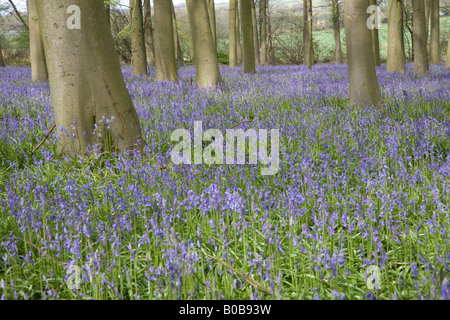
[
  {"x": 165, "y": 56},
  {"x": 435, "y": 52},
  {"x": 248, "y": 63},
  {"x": 255, "y": 34},
  {"x": 263, "y": 18},
  {"x": 447, "y": 61},
  {"x": 212, "y": 20},
  {"x": 375, "y": 41},
  {"x": 232, "y": 45},
  {"x": 420, "y": 39},
  {"x": 176, "y": 39},
  {"x": 395, "y": 53},
  {"x": 270, "y": 50},
  {"x": 337, "y": 31},
  {"x": 238, "y": 35},
  {"x": 148, "y": 33},
  {"x": 86, "y": 83},
  {"x": 308, "y": 55},
  {"x": 205, "y": 52},
  {"x": 364, "y": 90},
  {"x": 37, "y": 55},
  {"x": 138, "y": 53},
  {"x": 427, "y": 17}
]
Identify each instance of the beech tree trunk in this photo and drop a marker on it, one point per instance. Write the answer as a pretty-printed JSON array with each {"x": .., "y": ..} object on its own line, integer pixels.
[
  {"x": 176, "y": 39},
  {"x": 238, "y": 34},
  {"x": 363, "y": 83},
  {"x": 395, "y": 54},
  {"x": 420, "y": 39},
  {"x": 427, "y": 17},
  {"x": 212, "y": 20},
  {"x": 37, "y": 55},
  {"x": 248, "y": 62},
  {"x": 87, "y": 88},
  {"x": 232, "y": 46},
  {"x": 435, "y": 52},
  {"x": 447, "y": 61},
  {"x": 271, "y": 53},
  {"x": 148, "y": 32},
  {"x": 255, "y": 34},
  {"x": 308, "y": 55},
  {"x": 337, "y": 31},
  {"x": 165, "y": 56},
  {"x": 205, "y": 52},
  {"x": 138, "y": 53},
  {"x": 375, "y": 41},
  {"x": 263, "y": 18}
]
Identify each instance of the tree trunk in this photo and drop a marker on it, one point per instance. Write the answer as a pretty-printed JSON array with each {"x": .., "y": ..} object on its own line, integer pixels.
[
  {"x": 238, "y": 34},
  {"x": 148, "y": 31},
  {"x": 108, "y": 14},
  {"x": 205, "y": 52},
  {"x": 337, "y": 31},
  {"x": 2, "y": 61},
  {"x": 375, "y": 41},
  {"x": 308, "y": 55},
  {"x": 427, "y": 17},
  {"x": 176, "y": 39},
  {"x": 247, "y": 36},
  {"x": 86, "y": 83},
  {"x": 447, "y": 61},
  {"x": 363, "y": 83},
  {"x": 138, "y": 53},
  {"x": 165, "y": 58},
  {"x": 435, "y": 52},
  {"x": 395, "y": 55},
  {"x": 255, "y": 34},
  {"x": 420, "y": 42},
  {"x": 263, "y": 18},
  {"x": 232, "y": 47},
  {"x": 271, "y": 53},
  {"x": 37, "y": 55},
  {"x": 212, "y": 20}
]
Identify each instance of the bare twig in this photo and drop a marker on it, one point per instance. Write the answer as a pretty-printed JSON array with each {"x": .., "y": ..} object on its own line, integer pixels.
[
  {"x": 45, "y": 138},
  {"x": 19, "y": 15},
  {"x": 238, "y": 124}
]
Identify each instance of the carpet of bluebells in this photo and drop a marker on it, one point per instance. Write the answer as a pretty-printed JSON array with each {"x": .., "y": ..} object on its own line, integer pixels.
[{"x": 358, "y": 210}]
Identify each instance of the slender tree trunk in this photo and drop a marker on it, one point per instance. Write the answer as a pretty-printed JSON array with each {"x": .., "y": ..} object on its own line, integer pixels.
[
  {"x": 427, "y": 17},
  {"x": 363, "y": 83},
  {"x": 2, "y": 61},
  {"x": 308, "y": 55},
  {"x": 108, "y": 14},
  {"x": 271, "y": 53},
  {"x": 337, "y": 31},
  {"x": 238, "y": 34},
  {"x": 138, "y": 53},
  {"x": 420, "y": 42},
  {"x": 447, "y": 61},
  {"x": 435, "y": 52},
  {"x": 205, "y": 52},
  {"x": 247, "y": 36},
  {"x": 395, "y": 55},
  {"x": 232, "y": 49},
  {"x": 87, "y": 88},
  {"x": 263, "y": 17},
  {"x": 255, "y": 34},
  {"x": 375, "y": 41},
  {"x": 37, "y": 55},
  {"x": 165, "y": 61},
  {"x": 176, "y": 39},
  {"x": 148, "y": 31},
  {"x": 212, "y": 19}
]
